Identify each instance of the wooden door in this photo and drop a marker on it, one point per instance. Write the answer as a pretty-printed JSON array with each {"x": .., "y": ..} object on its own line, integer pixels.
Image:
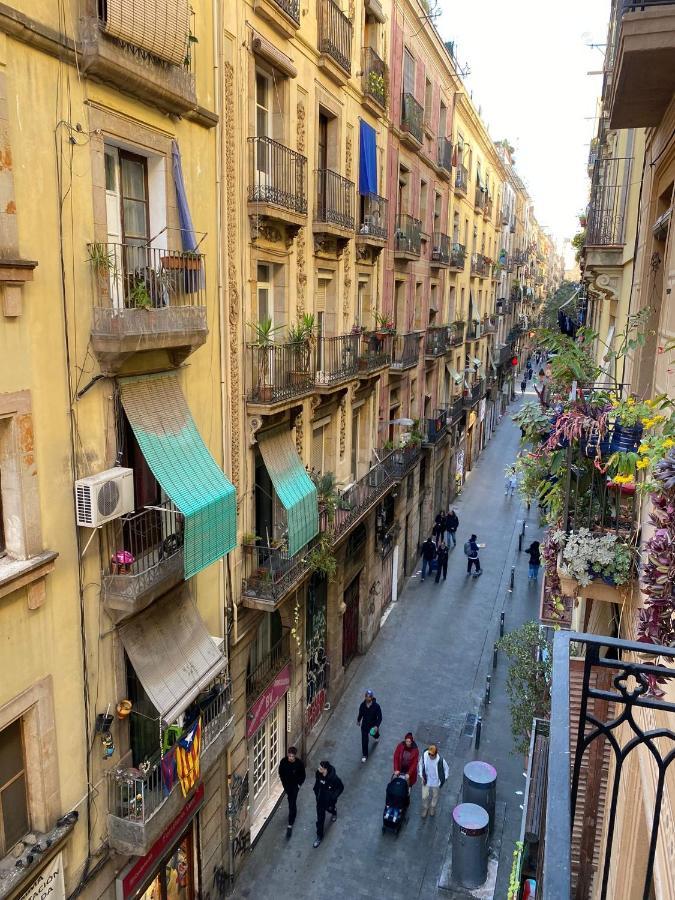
[{"x": 350, "y": 623}]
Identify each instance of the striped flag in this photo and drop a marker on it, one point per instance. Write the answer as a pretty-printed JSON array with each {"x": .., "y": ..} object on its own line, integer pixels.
[{"x": 187, "y": 756}]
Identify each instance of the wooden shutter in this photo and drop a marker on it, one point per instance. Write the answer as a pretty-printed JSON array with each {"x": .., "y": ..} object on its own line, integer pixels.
[
  {"x": 318, "y": 439},
  {"x": 162, "y": 27}
]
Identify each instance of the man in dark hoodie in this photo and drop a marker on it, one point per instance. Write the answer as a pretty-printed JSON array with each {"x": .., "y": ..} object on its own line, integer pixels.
[
  {"x": 369, "y": 718},
  {"x": 292, "y": 777},
  {"x": 327, "y": 788},
  {"x": 451, "y": 526},
  {"x": 428, "y": 555}
]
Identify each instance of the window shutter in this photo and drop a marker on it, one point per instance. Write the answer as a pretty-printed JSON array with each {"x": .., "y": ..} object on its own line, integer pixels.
[
  {"x": 162, "y": 27},
  {"x": 318, "y": 437}
]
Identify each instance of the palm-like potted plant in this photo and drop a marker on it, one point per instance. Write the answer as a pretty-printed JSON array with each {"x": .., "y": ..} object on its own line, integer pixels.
[
  {"x": 262, "y": 344},
  {"x": 301, "y": 337}
]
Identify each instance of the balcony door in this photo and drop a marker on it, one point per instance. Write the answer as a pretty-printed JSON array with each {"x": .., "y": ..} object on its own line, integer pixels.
[
  {"x": 408, "y": 73},
  {"x": 263, "y": 129},
  {"x": 322, "y": 162}
]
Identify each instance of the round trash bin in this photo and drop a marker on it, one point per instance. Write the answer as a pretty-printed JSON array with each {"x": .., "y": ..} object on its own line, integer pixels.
[
  {"x": 470, "y": 834},
  {"x": 480, "y": 786}
]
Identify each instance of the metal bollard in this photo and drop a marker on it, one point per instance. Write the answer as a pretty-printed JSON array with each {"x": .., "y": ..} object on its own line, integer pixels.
[
  {"x": 494, "y": 656},
  {"x": 520, "y": 543},
  {"x": 513, "y": 577},
  {"x": 488, "y": 682},
  {"x": 501, "y": 624},
  {"x": 479, "y": 727}
]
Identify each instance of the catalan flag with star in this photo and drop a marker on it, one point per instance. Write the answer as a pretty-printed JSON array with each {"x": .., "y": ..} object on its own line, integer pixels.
[{"x": 187, "y": 756}]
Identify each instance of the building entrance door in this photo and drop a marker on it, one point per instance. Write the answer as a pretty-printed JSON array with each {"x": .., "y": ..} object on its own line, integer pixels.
[
  {"x": 266, "y": 749},
  {"x": 350, "y": 623}
]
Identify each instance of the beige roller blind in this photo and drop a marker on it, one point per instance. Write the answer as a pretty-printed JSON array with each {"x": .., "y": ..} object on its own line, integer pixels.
[
  {"x": 318, "y": 438},
  {"x": 162, "y": 27}
]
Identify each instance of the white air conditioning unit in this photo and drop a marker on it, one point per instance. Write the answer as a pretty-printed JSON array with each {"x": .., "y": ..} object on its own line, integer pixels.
[{"x": 105, "y": 496}]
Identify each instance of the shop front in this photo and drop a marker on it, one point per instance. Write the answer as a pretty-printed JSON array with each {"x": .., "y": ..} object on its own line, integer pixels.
[
  {"x": 316, "y": 641},
  {"x": 170, "y": 869}
]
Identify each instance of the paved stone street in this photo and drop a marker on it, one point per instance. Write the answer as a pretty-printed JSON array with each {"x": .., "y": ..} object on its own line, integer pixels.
[{"x": 427, "y": 668}]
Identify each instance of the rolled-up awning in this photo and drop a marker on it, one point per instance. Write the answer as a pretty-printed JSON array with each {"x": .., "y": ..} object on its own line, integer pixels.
[
  {"x": 293, "y": 486},
  {"x": 172, "y": 653},
  {"x": 182, "y": 464}
]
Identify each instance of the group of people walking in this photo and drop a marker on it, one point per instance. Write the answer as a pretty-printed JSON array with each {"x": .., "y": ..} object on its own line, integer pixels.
[
  {"x": 431, "y": 769},
  {"x": 436, "y": 547}
]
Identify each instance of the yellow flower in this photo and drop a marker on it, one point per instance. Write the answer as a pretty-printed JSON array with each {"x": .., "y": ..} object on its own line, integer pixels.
[
  {"x": 668, "y": 443},
  {"x": 648, "y": 423},
  {"x": 631, "y": 401},
  {"x": 623, "y": 479},
  {"x": 642, "y": 463},
  {"x": 643, "y": 448}
]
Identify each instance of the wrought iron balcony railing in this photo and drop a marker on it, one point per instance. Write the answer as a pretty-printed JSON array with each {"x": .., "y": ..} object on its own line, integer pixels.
[
  {"x": 375, "y": 77},
  {"x": 480, "y": 265},
  {"x": 590, "y": 499},
  {"x": 291, "y": 8},
  {"x": 269, "y": 666},
  {"x": 434, "y": 429},
  {"x": 436, "y": 340},
  {"x": 457, "y": 256},
  {"x": 456, "y": 334},
  {"x": 373, "y": 216},
  {"x": 489, "y": 325},
  {"x": 612, "y": 729},
  {"x": 455, "y": 410},
  {"x": 412, "y": 117},
  {"x": 376, "y": 350},
  {"x": 269, "y": 573},
  {"x": 474, "y": 393},
  {"x": 607, "y": 207},
  {"x": 445, "y": 154},
  {"x": 406, "y": 350},
  {"x": 408, "y": 235},
  {"x": 278, "y": 372},
  {"x": 361, "y": 496},
  {"x": 480, "y": 199},
  {"x": 337, "y": 357},
  {"x": 462, "y": 180},
  {"x": 399, "y": 462},
  {"x": 440, "y": 248},
  {"x": 334, "y": 199},
  {"x": 473, "y": 331},
  {"x": 335, "y": 34},
  {"x": 277, "y": 175}
]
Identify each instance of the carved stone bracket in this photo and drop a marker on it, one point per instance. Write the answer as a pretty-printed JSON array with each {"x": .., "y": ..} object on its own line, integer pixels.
[{"x": 254, "y": 425}]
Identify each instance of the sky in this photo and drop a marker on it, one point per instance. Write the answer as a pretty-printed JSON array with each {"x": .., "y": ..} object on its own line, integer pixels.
[{"x": 529, "y": 62}]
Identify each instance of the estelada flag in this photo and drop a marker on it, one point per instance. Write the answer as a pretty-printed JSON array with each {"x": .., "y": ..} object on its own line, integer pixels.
[{"x": 187, "y": 756}]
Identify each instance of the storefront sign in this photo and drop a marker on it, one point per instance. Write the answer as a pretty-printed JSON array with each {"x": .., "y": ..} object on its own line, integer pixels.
[
  {"x": 49, "y": 883},
  {"x": 266, "y": 702},
  {"x": 314, "y": 710},
  {"x": 139, "y": 873},
  {"x": 481, "y": 410}
]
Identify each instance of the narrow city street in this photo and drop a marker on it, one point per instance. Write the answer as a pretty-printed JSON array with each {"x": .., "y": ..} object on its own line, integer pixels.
[{"x": 427, "y": 668}]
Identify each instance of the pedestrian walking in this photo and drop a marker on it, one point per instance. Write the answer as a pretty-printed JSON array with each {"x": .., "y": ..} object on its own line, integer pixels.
[
  {"x": 529, "y": 374},
  {"x": 428, "y": 556},
  {"x": 442, "y": 561},
  {"x": 523, "y": 385},
  {"x": 438, "y": 529},
  {"x": 327, "y": 789},
  {"x": 369, "y": 719},
  {"x": 471, "y": 548},
  {"x": 535, "y": 560},
  {"x": 407, "y": 759},
  {"x": 433, "y": 772},
  {"x": 292, "y": 777},
  {"x": 510, "y": 484},
  {"x": 451, "y": 526}
]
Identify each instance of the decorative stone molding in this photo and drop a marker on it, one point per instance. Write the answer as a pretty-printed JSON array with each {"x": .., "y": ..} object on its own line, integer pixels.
[
  {"x": 348, "y": 156},
  {"x": 299, "y": 434},
  {"x": 301, "y": 244},
  {"x": 343, "y": 428},
  {"x": 346, "y": 303},
  {"x": 261, "y": 229},
  {"x": 14, "y": 273},
  {"x": 231, "y": 249},
  {"x": 254, "y": 425}
]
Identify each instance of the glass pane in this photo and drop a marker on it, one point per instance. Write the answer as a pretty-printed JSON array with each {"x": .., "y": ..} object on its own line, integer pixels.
[
  {"x": 178, "y": 873},
  {"x": 263, "y": 304},
  {"x": 261, "y": 90},
  {"x": 14, "y": 812},
  {"x": 261, "y": 122},
  {"x": 133, "y": 178},
  {"x": 153, "y": 892},
  {"x": 110, "y": 172},
  {"x": 259, "y": 761},
  {"x": 11, "y": 752},
  {"x": 135, "y": 223},
  {"x": 275, "y": 744}
]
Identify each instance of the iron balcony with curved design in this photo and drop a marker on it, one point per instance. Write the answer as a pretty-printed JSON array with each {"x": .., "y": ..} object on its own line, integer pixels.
[
  {"x": 335, "y": 41},
  {"x": 412, "y": 121},
  {"x": 277, "y": 183}
]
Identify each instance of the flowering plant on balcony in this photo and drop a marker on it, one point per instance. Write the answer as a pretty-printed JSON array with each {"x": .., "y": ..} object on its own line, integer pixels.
[
  {"x": 376, "y": 85},
  {"x": 586, "y": 556},
  {"x": 384, "y": 324}
]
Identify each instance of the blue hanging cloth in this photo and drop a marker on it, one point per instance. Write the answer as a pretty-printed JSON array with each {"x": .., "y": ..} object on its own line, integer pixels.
[
  {"x": 367, "y": 159},
  {"x": 187, "y": 231}
]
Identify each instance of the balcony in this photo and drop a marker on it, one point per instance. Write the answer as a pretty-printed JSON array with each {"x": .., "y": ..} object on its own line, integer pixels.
[
  {"x": 335, "y": 42},
  {"x": 146, "y": 298},
  {"x": 337, "y": 359},
  {"x": 457, "y": 334},
  {"x": 473, "y": 331},
  {"x": 440, "y": 250},
  {"x": 359, "y": 498},
  {"x": 279, "y": 372},
  {"x": 489, "y": 325},
  {"x": 436, "y": 341},
  {"x": 375, "y": 351},
  {"x": 462, "y": 181},
  {"x": 282, "y": 15},
  {"x": 457, "y": 257},
  {"x": 505, "y": 355},
  {"x": 405, "y": 351},
  {"x": 334, "y": 210},
  {"x": 143, "y": 555},
  {"x": 402, "y": 461},
  {"x": 140, "y": 806},
  {"x": 488, "y": 209},
  {"x": 434, "y": 429},
  {"x": 480, "y": 265},
  {"x": 268, "y": 668},
  {"x": 606, "y": 212},
  {"x": 375, "y": 81},
  {"x": 480, "y": 200},
  {"x": 611, "y": 731},
  {"x": 373, "y": 230},
  {"x": 277, "y": 183},
  {"x": 474, "y": 393},
  {"x": 444, "y": 158},
  {"x": 455, "y": 411},
  {"x": 643, "y": 80},
  {"x": 148, "y": 58},
  {"x": 412, "y": 122},
  {"x": 407, "y": 237}
]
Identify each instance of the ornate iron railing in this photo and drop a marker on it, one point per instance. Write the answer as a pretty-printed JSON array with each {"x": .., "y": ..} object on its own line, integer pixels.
[
  {"x": 408, "y": 235},
  {"x": 279, "y": 371},
  {"x": 456, "y": 334},
  {"x": 335, "y": 34},
  {"x": 611, "y": 719},
  {"x": 455, "y": 410},
  {"x": 590, "y": 498},
  {"x": 375, "y": 77},
  {"x": 444, "y": 157},
  {"x": 434, "y": 429},
  {"x": 356, "y": 500},
  {"x": 270, "y": 572},
  {"x": 480, "y": 265},
  {"x": 376, "y": 350},
  {"x": 268, "y": 667},
  {"x": 607, "y": 207},
  {"x": 462, "y": 179},
  {"x": 457, "y": 256},
  {"x": 373, "y": 216},
  {"x": 291, "y": 8},
  {"x": 277, "y": 175},
  {"x": 399, "y": 462},
  {"x": 405, "y": 350},
  {"x": 334, "y": 199},
  {"x": 412, "y": 117},
  {"x": 436, "y": 340},
  {"x": 474, "y": 393},
  {"x": 337, "y": 357},
  {"x": 440, "y": 248}
]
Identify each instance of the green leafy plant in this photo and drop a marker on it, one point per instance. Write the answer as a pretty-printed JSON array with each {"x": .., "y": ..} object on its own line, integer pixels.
[
  {"x": 321, "y": 557},
  {"x": 326, "y": 490},
  {"x": 529, "y": 679},
  {"x": 516, "y": 868},
  {"x": 102, "y": 259},
  {"x": 534, "y": 421},
  {"x": 586, "y": 556},
  {"x": 139, "y": 297},
  {"x": 572, "y": 359},
  {"x": 377, "y": 85}
]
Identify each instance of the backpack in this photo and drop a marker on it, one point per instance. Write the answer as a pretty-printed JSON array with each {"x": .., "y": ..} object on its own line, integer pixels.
[{"x": 467, "y": 548}]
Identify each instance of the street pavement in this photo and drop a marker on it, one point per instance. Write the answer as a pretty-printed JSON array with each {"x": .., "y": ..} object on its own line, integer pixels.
[{"x": 427, "y": 668}]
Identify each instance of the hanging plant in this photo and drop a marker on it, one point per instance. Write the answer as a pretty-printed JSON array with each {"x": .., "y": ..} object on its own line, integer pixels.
[{"x": 321, "y": 557}]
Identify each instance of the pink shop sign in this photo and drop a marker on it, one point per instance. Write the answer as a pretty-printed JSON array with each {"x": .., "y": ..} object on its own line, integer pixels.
[{"x": 266, "y": 702}]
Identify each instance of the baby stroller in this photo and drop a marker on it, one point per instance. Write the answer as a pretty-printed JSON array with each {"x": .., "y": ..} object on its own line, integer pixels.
[{"x": 397, "y": 801}]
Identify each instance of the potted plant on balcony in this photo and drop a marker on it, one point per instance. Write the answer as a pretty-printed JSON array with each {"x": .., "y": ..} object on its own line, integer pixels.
[
  {"x": 384, "y": 325},
  {"x": 262, "y": 344},
  {"x": 301, "y": 337},
  {"x": 377, "y": 86},
  {"x": 183, "y": 260}
]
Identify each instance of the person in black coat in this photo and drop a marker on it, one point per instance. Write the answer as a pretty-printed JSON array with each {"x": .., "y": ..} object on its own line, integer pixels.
[
  {"x": 370, "y": 716},
  {"x": 428, "y": 556},
  {"x": 535, "y": 560},
  {"x": 451, "y": 526},
  {"x": 327, "y": 789},
  {"x": 442, "y": 561},
  {"x": 292, "y": 777}
]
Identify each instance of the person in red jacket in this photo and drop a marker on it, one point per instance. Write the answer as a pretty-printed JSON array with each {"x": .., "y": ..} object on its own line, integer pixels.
[{"x": 406, "y": 758}]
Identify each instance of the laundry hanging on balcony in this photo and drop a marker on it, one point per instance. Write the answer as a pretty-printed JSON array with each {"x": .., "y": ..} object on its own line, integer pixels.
[
  {"x": 367, "y": 159},
  {"x": 193, "y": 268},
  {"x": 293, "y": 486},
  {"x": 180, "y": 461}
]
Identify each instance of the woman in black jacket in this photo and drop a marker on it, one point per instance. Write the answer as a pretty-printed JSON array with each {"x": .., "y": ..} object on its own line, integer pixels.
[
  {"x": 327, "y": 788},
  {"x": 535, "y": 560}
]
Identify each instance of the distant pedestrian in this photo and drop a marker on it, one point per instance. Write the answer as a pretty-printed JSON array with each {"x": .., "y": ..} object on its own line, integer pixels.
[
  {"x": 523, "y": 385},
  {"x": 292, "y": 777},
  {"x": 327, "y": 789},
  {"x": 471, "y": 548},
  {"x": 438, "y": 529},
  {"x": 529, "y": 374},
  {"x": 451, "y": 526},
  {"x": 369, "y": 719},
  {"x": 407, "y": 758},
  {"x": 441, "y": 561},
  {"x": 433, "y": 772},
  {"x": 428, "y": 556},
  {"x": 510, "y": 484},
  {"x": 535, "y": 560}
]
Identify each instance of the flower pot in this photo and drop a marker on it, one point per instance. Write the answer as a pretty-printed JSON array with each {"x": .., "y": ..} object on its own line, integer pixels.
[
  {"x": 625, "y": 439},
  {"x": 628, "y": 488},
  {"x": 298, "y": 379},
  {"x": 589, "y": 446},
  {"x": 181, "y": 262},
  {"x": 265, "y": 393}
]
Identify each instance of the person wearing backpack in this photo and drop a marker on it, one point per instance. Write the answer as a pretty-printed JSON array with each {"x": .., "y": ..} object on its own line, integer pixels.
[{"x": 471, "y": 548}]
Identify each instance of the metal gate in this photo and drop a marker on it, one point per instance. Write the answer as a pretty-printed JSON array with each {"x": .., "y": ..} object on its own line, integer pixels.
[
  {"x": 350, "y": 623},
  {"x": 387, "y": 580}
]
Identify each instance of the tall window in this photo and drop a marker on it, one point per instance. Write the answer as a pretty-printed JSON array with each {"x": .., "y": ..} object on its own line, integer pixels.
[
  {"x": 408, "y": 72},
  {"x": 428, "y": 100},
  {"x": 438, "y": 200},
  {"x": 14, "y": 816},
  {"x": 424, "y": 191},
  {"x": 355, "y": 445},
  {"x": 264, "y": 291},
  {"x": 455, "y": 228},
  {"x": 442, "y": 120}
]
